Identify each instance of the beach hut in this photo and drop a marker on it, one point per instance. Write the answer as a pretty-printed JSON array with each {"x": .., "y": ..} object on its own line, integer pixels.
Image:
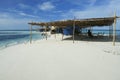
[{"x": 82, "y": 23}]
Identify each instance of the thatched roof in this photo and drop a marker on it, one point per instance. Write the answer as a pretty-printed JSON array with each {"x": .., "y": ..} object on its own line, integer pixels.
[{"x": 83, "y": 23}]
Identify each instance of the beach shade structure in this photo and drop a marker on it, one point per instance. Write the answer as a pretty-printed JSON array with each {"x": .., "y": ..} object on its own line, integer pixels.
[{"x": 82, "y": 23}]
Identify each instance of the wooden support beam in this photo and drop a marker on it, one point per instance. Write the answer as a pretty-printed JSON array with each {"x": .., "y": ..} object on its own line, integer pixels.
[
  {"x": 74, "y": 30},
  {"x": 62, "y": 36},
  {"x": 46, "y": 32},
  {"x": 109, "y": 32},
  {"x": 30, "y": 34},
  {"x": 114, "y": 30},
  {"x": 55, "y": 32}
]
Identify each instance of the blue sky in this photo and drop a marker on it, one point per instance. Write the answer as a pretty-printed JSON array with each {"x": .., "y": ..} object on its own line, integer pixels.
[{"x": 15, "y": 14}]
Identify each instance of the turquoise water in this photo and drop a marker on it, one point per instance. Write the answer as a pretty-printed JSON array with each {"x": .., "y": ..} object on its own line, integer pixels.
[
  {"x": 106, "y": 32},
  {"x": 9, "y": 38},
  {"x": 103, "y": 31}
]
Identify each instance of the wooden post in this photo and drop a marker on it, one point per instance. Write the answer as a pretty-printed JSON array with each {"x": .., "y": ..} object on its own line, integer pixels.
[
  {"x": 46, "y": 32},
  {"x": 109, "y": 32},
  {"x": 74, "y": 30},
  {"x": 55, "y": 32},
  {"x": 114, "y": 30},
  {"x": 30, "y": 34},
  {"x": 62, "y": 36}
]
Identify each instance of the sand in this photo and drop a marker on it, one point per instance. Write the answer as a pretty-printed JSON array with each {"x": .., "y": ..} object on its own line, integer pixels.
[{"x": 60, "y": 60}]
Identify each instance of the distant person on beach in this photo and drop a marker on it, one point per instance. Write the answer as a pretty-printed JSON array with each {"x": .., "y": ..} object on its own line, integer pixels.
[{"x": 89, "y": 33}]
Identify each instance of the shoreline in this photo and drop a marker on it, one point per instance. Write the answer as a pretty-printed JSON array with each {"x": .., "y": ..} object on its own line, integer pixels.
[{"x": 59, "y": 39}]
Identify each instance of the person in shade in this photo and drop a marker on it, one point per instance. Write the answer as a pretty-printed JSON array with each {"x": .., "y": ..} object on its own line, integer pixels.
[{"x": 89, "y": 33}]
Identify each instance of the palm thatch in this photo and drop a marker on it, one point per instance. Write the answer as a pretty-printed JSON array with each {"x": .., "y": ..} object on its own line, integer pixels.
[{"x": 82, "y": 23}]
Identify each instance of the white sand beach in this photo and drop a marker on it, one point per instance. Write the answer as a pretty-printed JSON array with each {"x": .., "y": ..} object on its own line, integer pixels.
[{"x": 54, "y": 59}]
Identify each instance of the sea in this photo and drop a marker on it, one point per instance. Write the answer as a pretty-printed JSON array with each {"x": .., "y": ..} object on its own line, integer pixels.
[{"x": 14, "y": 37}]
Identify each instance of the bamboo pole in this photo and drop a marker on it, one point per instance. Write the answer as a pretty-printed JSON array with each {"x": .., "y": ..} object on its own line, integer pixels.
[
  {"x": 109, "y": 32},
  {"x": 55, "y": 32},
  {"x": 74, "y": 30},
  {"x": 46, "y": 32},
  {"x": 114, "y": 30},
  {"x": 30, "y": 34},
  {"x": 62, "y": 34}
]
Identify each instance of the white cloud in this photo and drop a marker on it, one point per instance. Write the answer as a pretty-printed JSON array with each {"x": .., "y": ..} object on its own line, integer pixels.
[
  {"x": 23, "y": 14},
  {"x": 46, "y": 6},
  {"x": 83, "y": 3},
  {"x": 12, "y": 13},
  {"x": 92, "y": 2},
  {"x": 4, "y": 15},
  {"x": 28, "y": 15},
  {"x": 11, "y": 21},
  {"x": 95, "y": 11},
  {"x": 24, "y": 6},
  {"x": 12, "y": 10}
]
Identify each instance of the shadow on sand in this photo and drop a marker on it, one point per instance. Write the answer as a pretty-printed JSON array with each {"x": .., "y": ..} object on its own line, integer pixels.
[{"x": 92, "y": 39}]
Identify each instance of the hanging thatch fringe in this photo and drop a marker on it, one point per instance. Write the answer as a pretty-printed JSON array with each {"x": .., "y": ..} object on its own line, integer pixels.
[{"x": 83, "y": 23}]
